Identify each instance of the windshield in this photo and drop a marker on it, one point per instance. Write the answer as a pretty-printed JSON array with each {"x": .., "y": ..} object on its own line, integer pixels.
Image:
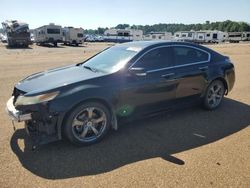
[{"x": 112, "y": 59}]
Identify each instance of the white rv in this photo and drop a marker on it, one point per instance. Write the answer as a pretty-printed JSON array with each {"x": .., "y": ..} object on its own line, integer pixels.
[
  {"x": 122, "y": 35},
  {"x": 185, "y": 36},
  {"x": 48, "y": 34},
  {"x": 246, "y": 36},
  {"x": 73, "y": 36},
  {"x": 201, "y": 36},
  {"x": 234, "y": 37},
  {"x": 210, "y": 36},
  {"x": 158, "y": 36}
]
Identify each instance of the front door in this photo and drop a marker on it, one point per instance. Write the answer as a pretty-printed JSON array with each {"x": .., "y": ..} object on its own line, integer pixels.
[{"x": 154, "y": 90}]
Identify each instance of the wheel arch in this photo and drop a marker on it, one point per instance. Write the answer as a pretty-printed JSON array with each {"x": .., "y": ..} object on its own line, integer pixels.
[{"x": 223, "y": 80}]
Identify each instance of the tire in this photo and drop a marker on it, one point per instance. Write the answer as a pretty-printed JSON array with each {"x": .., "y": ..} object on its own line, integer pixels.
[
  {"x": 214, "y": 95},
  {"x": 87, "y": 124}
]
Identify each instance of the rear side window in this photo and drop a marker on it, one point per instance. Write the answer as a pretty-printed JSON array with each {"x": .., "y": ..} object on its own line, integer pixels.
[
  {"x": 186, "y": 55},
  {"x": 156, "y": 59}
]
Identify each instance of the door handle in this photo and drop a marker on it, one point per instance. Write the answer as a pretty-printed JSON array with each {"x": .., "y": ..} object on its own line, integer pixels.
[
  {"x": 167, "y": 75},
  {"x": 203, "y": 68}
]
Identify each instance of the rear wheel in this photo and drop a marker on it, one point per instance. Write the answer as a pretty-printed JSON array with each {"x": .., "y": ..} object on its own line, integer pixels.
[
  {"x": 214, "y": 95},
  {"x": 87, "y": 124}
]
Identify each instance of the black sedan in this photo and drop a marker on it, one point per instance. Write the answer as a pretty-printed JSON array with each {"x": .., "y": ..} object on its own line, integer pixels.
[{"x": 84, "y": 101}]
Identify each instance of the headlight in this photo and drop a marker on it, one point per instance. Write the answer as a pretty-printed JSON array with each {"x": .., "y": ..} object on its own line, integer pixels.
[{"x": 25, "y": 100}]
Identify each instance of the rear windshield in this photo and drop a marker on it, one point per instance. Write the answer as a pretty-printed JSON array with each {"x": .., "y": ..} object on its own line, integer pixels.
[
  {"x": 80, "y": 35},
  {"x": 53, "y": 31}
]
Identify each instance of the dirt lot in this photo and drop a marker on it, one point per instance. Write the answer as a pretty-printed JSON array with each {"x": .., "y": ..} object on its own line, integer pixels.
[{"x": 188, "y": 148}]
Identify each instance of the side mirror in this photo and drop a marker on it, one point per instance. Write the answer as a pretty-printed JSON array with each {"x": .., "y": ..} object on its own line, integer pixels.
[{"x": 138, "y": 71}]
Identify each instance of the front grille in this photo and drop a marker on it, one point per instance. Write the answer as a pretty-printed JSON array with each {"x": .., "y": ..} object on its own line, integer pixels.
[{"x": 16, "y": 93}]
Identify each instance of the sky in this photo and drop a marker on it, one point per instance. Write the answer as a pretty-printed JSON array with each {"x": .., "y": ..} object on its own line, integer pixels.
[{"x": 108, "y": 13}]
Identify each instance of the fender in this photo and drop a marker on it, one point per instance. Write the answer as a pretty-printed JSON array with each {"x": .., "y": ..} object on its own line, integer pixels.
[{"x": 79, "y": 97}]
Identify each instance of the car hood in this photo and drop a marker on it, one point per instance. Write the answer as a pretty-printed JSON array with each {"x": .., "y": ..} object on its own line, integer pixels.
[{"x": 55, "y": 78}]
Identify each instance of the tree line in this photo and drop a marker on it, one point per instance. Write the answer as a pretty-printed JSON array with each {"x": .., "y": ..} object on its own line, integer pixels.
[{"x": 227, "y": 26}]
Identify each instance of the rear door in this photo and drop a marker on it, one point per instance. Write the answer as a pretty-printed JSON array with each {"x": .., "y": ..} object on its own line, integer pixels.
[{"x": 191, "y": 71}]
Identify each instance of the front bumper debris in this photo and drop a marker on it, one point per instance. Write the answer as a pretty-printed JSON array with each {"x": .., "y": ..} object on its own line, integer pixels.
[
  {"x": 15, "y": 114},
  {"x": 40, "y": 125}
]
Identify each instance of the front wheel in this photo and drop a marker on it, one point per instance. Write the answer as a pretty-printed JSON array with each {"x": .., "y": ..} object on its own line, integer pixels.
[
  {"x": 214, "y": 95},
  {"x": 87, "y": 124}
]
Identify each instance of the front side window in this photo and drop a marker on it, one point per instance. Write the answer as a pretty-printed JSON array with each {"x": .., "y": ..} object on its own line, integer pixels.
[
  {"x": 156, "y": 59},
  {"x": 186, "y": 55},
  {"x": 53, "y": 31}
]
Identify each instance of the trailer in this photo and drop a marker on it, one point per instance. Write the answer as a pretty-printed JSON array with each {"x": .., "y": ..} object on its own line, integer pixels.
[
  {"x": 234, "y": 37},
  {"x": 17, "y": 33},
  {"x": 158, "y": 36},
  {"x": 246, "y": 36},
  {"x": 123, "y": 35},
  {"x": 48, "y": 34},
  {"x": 205, "y": 36},
  {"x": 73, "y": 36},
  {"x": 188, "y": 36},
  {"x": 210, "y": 36}
]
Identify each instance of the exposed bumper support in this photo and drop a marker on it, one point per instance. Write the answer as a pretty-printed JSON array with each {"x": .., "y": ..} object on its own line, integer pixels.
[{"x": 14, "y": 113}]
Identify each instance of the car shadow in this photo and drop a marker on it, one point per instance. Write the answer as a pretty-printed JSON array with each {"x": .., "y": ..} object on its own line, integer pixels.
[{"x": 159, "y": 136}]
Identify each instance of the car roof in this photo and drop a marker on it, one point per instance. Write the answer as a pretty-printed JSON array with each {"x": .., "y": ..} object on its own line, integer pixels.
[{"x": 145, "y": 44}]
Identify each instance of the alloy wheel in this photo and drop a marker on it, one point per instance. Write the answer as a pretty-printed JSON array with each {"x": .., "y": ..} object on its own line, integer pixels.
[{"x": 89, "y": 124}]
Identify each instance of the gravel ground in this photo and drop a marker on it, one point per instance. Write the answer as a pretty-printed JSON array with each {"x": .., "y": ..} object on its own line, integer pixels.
[{"x": 186, "y": 148}]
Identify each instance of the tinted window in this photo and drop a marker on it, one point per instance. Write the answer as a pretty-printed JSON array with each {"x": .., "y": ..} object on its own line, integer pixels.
[
  {"x": 186, "y": 55},
  {"x": 156, "y": 59},
  {"x": 53, "y": 31}
]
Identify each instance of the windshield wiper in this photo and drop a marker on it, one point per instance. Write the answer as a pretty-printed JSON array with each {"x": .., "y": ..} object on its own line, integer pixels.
[{"x": 90, "y": 68}]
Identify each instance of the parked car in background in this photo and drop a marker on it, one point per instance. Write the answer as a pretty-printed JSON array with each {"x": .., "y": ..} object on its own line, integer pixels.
[
  {"x": 84, "y": 101},
  {"x": 32, "y": 38},
  {"x": 90, "y": 38},
  {"x": 99, "y": 38},
  {"x": 4, "y": 39}
]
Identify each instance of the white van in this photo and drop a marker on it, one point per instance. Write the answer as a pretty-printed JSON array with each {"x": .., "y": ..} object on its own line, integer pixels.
[{"x": 73, "y": 36}]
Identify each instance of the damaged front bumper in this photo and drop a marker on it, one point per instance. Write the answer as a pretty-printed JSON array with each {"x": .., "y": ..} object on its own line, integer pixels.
[{"x": 40, "y": 125}]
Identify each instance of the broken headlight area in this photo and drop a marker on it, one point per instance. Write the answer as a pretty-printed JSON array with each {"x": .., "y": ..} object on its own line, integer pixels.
[{"x": 42, "y": 127}]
